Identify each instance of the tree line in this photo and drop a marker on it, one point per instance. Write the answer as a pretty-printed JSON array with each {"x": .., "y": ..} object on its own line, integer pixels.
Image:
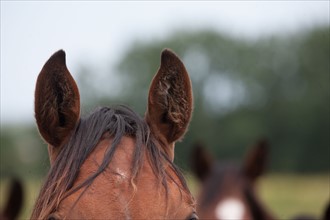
[{"x": 275, "y": 87}]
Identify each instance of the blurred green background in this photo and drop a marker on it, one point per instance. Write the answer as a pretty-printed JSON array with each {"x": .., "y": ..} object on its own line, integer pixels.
[{"x": 275, "y": 87}]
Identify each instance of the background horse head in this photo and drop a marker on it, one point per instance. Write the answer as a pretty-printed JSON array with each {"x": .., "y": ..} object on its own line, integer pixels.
[
  {"x": 227, "y": 190},
  {"x": 113, "y": 164},
  {"x": 14, "y": 202}
]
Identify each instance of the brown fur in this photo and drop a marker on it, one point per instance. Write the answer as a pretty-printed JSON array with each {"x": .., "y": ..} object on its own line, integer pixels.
[{"x": 112, "y": 164}]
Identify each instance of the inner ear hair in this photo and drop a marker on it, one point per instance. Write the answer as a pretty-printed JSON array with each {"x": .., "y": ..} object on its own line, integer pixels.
[
  {"x": 57, "y": 100},
  {"x": 170, "y": 98}
]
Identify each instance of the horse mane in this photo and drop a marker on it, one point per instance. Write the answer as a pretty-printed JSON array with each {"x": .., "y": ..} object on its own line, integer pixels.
[{"x": 115, "y": 122}]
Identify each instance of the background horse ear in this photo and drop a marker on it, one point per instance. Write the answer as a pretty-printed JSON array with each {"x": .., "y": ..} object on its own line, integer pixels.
[
  {"x": 327, "y": 212},
  {"x": 15, "y": 200},
  {"x": 57, "y": 101},
  {"x": 201, "y": 161},
  {"x": 170, "y": 101},
  {"x": 256, "y": 160}
]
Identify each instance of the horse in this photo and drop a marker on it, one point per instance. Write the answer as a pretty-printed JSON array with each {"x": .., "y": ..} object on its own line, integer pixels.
[
  {"x": 14, "y": 202},
  {"x": 227, "y": 188},
  {"x": 113, "y": 163}
]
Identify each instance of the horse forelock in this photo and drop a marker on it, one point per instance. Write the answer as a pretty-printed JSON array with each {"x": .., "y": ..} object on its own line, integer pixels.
[{"x": 111, "y": 122}]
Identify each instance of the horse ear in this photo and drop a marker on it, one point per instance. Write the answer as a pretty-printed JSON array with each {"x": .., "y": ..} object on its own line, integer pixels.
[
  {"x": 170, "y": 102},
  {"x": 327, "y": 212},
  {"x": 256, "y": 160},
  {"x": 202, "y": 161},
  {"x": 57, "y": 101},
  {"x": 15, "y": 200}
]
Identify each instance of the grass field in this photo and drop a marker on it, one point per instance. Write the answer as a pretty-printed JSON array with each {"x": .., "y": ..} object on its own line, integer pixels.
[
  {"x": 284, "y": 195},
  {"x": 289, "y": 195}
]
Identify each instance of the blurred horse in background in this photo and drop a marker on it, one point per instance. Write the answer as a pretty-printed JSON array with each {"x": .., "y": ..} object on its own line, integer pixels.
[
  {"x": 113, "y": 164},
  {"x": 228, "y": 189},
  {"x": 14, "y": 202}
]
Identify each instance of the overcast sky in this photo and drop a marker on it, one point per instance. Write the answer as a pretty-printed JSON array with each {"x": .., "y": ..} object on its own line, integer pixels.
[{"x": 100, "y": 32}]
